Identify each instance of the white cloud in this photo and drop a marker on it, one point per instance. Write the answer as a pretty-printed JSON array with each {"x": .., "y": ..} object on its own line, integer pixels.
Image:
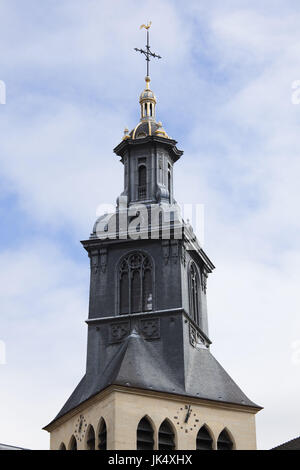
[
  {"x": 64, "y": 132},
  {"x": 43, "y": 306}
]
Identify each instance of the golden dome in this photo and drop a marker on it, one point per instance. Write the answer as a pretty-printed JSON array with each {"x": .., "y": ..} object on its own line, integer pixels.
[
  {"x": 147, "y": 125},
  {"x": 147, "y": 94}
]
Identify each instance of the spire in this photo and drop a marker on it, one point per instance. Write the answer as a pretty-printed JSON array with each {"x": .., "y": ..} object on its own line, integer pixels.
[
  {"x": 148, "y": 53},
  {"x": 147, "y": 98},
  {"x": 147, "y": 125}
]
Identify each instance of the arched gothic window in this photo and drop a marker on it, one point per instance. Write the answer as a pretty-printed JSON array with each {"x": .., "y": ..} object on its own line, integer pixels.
[
  {"x": 204, "y": 440},
  {"x": 90, "y": 441},
  {"x": 194, "y": 293},
  {"x": 73, "y": 443},
  {"x": 136, "y": 286},
  {"x": 102, "y": 436},
  {"x": 169, "y": 185},
  {"x": 62, "y": 446},
  {"x": 224, "y": 441},
  {"x": 166, "y": 437},
  {"x": 142, "y": 182},
  {"x": 144, "y": 435}
]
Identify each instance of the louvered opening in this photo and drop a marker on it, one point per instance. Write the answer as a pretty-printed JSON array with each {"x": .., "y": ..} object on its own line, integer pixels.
[
  {"x": 194, "y": 293},
  {"x": 224, "y": 441},
  {"x": 136, "y": 292},
  {"x": 142, "y": 192},
  {"x": 166, "y": 437},
  {"x": 142, "y": 175},
  {"x": 136, "y": 284},
  {"x": 91, "y": 439},
  {"x": 145, "y": 439},
  {"x": 142, "y": 180},
  {"x": 204, "y": 440},
  {"x": 102, "y": 437},
  {"x": 73, "y": 444},
  {"x": 147, "y": 291},
  {"x": 124, "y": 294}
]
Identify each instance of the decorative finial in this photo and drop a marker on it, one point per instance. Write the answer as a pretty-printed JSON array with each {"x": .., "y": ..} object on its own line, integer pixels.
[
  {"x": 160, "y": 131},
  {"x": 147, "y": 80},
  {"x": 147, "y": 52},
  {"x": 126, "y": 134}
]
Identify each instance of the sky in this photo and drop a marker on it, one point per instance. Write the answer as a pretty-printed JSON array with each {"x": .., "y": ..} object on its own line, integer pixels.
[{"x": 225, "y": 93}]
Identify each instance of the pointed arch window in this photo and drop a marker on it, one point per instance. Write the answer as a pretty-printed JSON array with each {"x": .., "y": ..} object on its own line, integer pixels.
[
  {"x": 73, "y": 443},
  {"x": 224, "y": 441},
  {"x": 204, "y": 440},
  {"x": 194, "y": 292},
  {"x": 62, "y": 446},
  {"x": 142, "y": 182},
  {"x": 102, "y": 436},
  {"x": 166, "y": 437},
  {"x": 144, "y": 438},
  {"x": 91, "y": 439},
  {"x": 136, "y": 284}
]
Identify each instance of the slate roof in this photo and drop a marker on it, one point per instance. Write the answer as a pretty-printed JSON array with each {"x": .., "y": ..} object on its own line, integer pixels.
[
  {"x": 6, "y": 447},
  {"x": 137, "y": 364},
  {"x": 294, "y": 444}
]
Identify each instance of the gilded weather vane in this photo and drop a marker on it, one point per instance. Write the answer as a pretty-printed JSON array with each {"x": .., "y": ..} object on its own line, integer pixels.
[{"x": 148, "y": 54}]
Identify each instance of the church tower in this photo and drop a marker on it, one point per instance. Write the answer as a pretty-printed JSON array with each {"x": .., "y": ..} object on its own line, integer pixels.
[{"x": 151, "y": 380}]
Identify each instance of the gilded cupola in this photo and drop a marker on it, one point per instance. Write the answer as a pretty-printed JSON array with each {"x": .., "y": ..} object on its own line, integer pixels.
[
  {"x": 147, "y": 125},
  {"x": 147, "y": 102}
]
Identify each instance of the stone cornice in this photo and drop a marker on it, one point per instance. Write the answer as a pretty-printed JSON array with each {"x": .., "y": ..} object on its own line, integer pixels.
[
  {"x": 169, "y": 143},
  {"x": 171, "y": 311},
  {"x": 151, "y": 394}
]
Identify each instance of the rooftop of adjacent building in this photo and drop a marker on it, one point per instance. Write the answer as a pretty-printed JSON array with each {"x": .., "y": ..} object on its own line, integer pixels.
[
  {"x": 293, "y": 444},
  {"x": 7, "y": 447}
]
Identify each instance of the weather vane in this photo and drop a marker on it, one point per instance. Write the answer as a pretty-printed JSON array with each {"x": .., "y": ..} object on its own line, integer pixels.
[{"x": 148, "y": 54}]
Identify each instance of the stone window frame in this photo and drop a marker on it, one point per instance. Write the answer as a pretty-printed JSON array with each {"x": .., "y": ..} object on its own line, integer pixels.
[
  {"x": 118, "y": 283},
  {"x": 142, "y": 162},
  {"x": 195, "y": 316}
]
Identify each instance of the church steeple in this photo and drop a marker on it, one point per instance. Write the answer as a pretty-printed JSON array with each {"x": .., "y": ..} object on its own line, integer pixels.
[
  {"x": 147, "y": 151},
  {"x": 151, "y": 381},
  {"x": 148, "y": 154}
]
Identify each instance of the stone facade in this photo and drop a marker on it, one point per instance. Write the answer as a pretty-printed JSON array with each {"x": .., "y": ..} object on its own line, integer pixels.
[{"x": 122, "y": 409}]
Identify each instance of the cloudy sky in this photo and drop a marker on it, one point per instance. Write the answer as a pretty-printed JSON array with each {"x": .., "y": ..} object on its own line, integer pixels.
[{"x": 224, "y": 91}]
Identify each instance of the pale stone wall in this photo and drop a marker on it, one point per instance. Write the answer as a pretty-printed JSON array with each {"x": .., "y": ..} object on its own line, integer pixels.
[
  {"x": 123, "y": 408},
  {"x": 103, "y": 408}
]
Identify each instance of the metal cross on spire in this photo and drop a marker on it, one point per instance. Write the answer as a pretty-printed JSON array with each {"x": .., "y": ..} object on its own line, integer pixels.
[{"x": 148, "y": 54}]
